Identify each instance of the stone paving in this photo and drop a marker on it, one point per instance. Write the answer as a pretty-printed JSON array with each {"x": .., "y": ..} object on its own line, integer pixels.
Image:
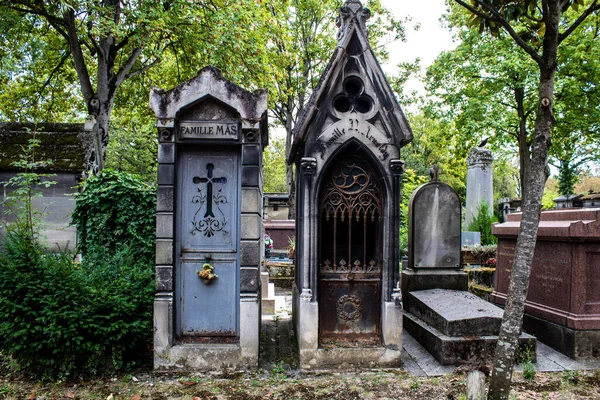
[{"x": 278, "y": 349}]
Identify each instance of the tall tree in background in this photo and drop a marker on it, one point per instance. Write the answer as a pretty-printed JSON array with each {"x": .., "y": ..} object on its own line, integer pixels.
[
  {"x": 109, "y": 42},
  {"x": 488, "y": 88},
  {"x": 539, "y": 28}
]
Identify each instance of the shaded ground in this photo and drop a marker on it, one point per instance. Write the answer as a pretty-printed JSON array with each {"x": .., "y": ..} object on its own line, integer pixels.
[
  {"x": 288, "y": 385},
  {"x": 278, "y": 378}
]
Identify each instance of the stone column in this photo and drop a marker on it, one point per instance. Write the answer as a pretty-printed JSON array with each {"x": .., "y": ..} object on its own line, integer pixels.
[
  {"x": 163, "y": 302},
  {"x": 307, "y": 326},
  {"x": 479, "y": 183}
]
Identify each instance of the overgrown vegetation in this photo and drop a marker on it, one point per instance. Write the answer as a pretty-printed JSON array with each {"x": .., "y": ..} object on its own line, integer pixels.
[
  {"x": 115, "y": 214},
  {"x": 60, "y": 318},
  {"x": 483, "y": 223}
]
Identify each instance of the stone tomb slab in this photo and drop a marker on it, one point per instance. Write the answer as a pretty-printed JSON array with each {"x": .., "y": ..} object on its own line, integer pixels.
[
  {"x": 455, "y": 312},
  {"x": 448, "y": 350}
]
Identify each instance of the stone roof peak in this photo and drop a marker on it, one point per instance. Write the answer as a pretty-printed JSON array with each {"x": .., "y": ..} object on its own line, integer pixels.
[{"x": 352, "y": 13}]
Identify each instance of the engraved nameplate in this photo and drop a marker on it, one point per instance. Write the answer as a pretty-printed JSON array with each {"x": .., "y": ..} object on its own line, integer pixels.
[{"x": 221, "y": 130}]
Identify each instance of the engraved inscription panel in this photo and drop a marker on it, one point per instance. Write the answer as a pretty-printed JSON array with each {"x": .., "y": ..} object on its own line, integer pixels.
[{"x": 208, "y": 130}]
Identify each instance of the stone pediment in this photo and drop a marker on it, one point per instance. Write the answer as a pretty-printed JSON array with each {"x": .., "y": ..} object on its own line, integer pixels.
[
  {"x": 353, "y": 87},
  {"x": 209, "y": 85}
]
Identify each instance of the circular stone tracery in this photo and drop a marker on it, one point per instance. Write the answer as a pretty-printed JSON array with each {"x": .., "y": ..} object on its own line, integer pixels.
[{"x": 353, "y": 99}]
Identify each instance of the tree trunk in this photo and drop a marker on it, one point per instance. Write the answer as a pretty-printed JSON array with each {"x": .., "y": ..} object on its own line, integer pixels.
[
  {"x": 524, "y": 154},
  {"x": 532, "y": 198}
]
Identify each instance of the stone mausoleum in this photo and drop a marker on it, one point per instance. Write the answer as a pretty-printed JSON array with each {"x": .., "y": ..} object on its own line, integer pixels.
[
  {"x": 208, "y": 224},
  {"x": 346, "y": 150}
]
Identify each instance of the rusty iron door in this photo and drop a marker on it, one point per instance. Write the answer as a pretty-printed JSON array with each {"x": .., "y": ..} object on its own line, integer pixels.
[
  {"x": 350, "y": 256},
  {"x": 207, "y": 232}
]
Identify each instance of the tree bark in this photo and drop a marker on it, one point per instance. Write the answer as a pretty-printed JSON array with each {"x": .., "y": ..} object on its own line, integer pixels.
[{"x": 532, "y": 198}]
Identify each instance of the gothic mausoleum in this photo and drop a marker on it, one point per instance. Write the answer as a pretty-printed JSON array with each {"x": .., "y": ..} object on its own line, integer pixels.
[{"x": 346, "y": 150}]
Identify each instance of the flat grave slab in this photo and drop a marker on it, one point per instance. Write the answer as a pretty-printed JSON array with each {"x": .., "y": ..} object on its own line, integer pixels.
[{"x": 456, "y": 312}]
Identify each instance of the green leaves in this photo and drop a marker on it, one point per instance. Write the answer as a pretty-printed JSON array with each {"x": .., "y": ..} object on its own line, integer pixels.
[{"x": 115, "y": 210}]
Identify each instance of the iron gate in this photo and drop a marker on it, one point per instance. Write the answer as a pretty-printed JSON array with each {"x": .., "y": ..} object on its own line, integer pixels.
[{"x": 350, "y": 256}]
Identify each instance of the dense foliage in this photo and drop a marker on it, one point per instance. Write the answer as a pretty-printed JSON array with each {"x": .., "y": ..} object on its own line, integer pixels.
[
  {"x": 59, "y": 318},
  {"x": 62, "y": 319},
  {"x": 115, "y": 211}
]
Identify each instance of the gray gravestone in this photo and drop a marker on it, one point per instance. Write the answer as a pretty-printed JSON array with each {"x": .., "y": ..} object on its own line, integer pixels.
[
  {"x": 208, "y": 224},
  {"x": 479, "y": 183},
  {"x": 434, "y": 239},
  {"x": 434, "y": 225}
]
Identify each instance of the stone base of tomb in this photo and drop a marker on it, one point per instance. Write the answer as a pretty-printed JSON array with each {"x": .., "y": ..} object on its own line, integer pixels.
[
  {"x": 311, "y": 356},
  {"x": 206, "y": 354},
  {"x": 457, "y": 327},
  {"x": 578, "y": 344},
  {"x": 424, "y": 279}
]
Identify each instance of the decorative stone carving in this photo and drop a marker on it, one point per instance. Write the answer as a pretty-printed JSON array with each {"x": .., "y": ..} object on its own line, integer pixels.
[
  {"x": 308, "y": 165},
  {"x": 397, "y": 166},
  {"x": 479, "y": 156}
]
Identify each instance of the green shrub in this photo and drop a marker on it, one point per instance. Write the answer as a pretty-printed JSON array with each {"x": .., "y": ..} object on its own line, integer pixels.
[
  {"x": 62, "y": 319},
  {"x": 483, "y": 224}
]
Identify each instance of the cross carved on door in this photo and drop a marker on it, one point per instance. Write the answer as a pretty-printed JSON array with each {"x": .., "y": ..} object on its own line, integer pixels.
[{"x": 209, "y": 180}]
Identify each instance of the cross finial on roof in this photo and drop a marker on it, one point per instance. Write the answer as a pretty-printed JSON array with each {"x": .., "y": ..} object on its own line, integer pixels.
[{"x": 350, "y": 13}]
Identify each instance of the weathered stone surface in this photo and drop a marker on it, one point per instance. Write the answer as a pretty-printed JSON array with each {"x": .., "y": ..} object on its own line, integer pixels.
[
  {"x": 459, "y": 349},
  {"x": 164, "y": 278},
  {"x": 68, "y": 145},
  {"x": 434, "y": 227},
  {"x": 575, "y": 343},
  {"x": 164, "y": 198},
  {"x": 424, "y": 279},
  {"x": 250, "y": 252},
  {"x": 456, "y": 312},
  {"x": 164, "y": 252},
  {"x": 476, "y": 386},
  {"x": 250, "y": 200},
  {"x": 249, "y": 280},
  {"x": 251, "y": 227},
  {"x": 251, "y": 176},
  {"x": 251, "y": 155},
  {"x": 164, "y": 226},
  {"x": 166, "y": 153},
  {"x": 479, "y": 183},
  {"x": 166, "y": 174}
]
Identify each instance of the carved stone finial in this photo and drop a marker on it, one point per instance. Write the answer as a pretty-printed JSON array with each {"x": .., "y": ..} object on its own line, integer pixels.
[
  {"x": 350, "y": 13},
  {"x": 434, "y": 173}
]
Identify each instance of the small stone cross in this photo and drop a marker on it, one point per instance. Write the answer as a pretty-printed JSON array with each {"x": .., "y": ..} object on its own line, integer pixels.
[{"x": 209, "y": 188}]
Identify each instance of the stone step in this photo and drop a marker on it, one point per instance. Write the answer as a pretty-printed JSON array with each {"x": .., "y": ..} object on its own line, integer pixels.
[
  {"x": 449, "y": 350},
  {"x": 455, "y": 312}
]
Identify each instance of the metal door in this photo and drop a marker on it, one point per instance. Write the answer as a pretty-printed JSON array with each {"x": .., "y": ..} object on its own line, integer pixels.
[
  {"x": 208, "y": 225},
  {"x": 350, "y": 256}
]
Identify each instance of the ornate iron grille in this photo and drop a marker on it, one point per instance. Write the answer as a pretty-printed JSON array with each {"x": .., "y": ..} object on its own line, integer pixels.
[{"x": 350, "y": 220}]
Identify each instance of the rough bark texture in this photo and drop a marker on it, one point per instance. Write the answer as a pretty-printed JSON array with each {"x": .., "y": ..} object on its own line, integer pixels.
[{"x": 532, "y": 197}]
